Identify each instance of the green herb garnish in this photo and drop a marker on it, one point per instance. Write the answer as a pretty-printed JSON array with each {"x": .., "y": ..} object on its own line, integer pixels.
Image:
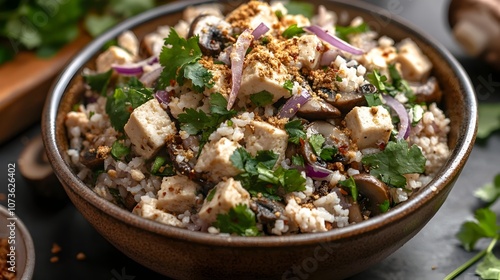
[
  {"x": 261, "y": 99},
  {"x": 326, "y": 153},
  {"x": 292, "y": 30},
  {"x": 351, "y": 185},
  {"x": 239, "y": 220},
  {"x": 119, "y": 151},
  {"x": 98, "y": 82},
  {"x": 200, "y": 123},
  {"x": 288, "y": 85},
  {"x": 179, "y": 57},
  {"x": 162, "y": 167},
  {"x": 295, "y": 131},
  {"x": 258, "y": 177},
  {"x": 373, "y": 99},
  {"x": 394, "y": 161},
  {"x": 124, "y": 100},
  {"x": 344, "y": 31},
  {"x": 300, "y": 8}
]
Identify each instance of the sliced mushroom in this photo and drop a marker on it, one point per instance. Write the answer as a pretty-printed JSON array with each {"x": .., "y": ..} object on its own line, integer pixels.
[
  {"x": 317, "y": 108},
  {"x": 213, "y": 33},
  {"x": 344, "y": 101},
  {"x": 175, "y": 147},
  {"x": 427, "y": 92},
  {"x": 91, "y": 160},
  {"x": 129, "y": 202},
  {"x": 35, "y": 168},
  {"x": 374, "y": 191},
  {"x": 267, "y": 211},
  {"x": 355, "y": 215}
]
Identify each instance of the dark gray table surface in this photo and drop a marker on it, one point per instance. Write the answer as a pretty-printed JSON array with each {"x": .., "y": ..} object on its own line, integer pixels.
[{"x": 431, "y": 254}]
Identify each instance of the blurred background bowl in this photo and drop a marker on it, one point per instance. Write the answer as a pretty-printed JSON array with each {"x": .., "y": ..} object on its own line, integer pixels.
[
  {"x": 24, "y": 249},
  {"x": 337, "y": 254}
]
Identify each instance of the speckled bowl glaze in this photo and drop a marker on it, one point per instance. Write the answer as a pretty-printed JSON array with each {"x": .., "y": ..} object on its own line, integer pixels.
[
  {"x": 24, "y": 248},
  {"x": 337, "y": 254}
]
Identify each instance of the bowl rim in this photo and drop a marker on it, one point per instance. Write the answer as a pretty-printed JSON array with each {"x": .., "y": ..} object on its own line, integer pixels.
[
  {"x": 438, "y": 184},
  {"x": 25, "y": 236}
]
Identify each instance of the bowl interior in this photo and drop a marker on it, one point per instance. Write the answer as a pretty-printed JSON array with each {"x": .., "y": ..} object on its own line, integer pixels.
[{"x": 458, "y": 103}]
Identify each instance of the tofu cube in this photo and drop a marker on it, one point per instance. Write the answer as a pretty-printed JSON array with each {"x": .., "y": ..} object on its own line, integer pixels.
[
  {"x": 370, "y": 126},
  {"x": 113, "y": 55},
  {"x": 215, "y": 159},
  {"x": 415, "y": 66},
  {"x": 227, "y": 195},
  {"x": 177, "y": 194},
  {"x": 147, "y": 208},
  {"x": 264, "y": 72},
  {"x": 310, "y": 50},
  {"x": 148, "y": 128},
  {"x": 261, "y": 136},
  {"x": 129, "y": 42}
]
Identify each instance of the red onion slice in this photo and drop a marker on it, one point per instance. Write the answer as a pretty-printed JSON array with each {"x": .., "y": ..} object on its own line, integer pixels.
[
  {"x": 259, "y": 31},
  {"x": 163, "y": 97},
  {"x": 333, "y": 40},
  {"x": 293, "y": 104},
  {"x": 404, "y": 119},
  {"x": 149, "y": 78},
  {"x": 317, "y": 172},
  {"x": 237, "y": 57},
  {"x": 328, "y": 56},
  {"x": 134, "y": 69}
]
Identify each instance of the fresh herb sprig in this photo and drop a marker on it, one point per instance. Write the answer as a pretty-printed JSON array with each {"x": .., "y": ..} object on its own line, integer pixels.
[
  {"x": 200, "y": 123},
  {"x": 258, "y": 175},
  {"x": 239, "y": 220},
  {"x": 393, "y": 87},
  {"x": 180, "y": 57},
  {"x": 484, "y": 225}
]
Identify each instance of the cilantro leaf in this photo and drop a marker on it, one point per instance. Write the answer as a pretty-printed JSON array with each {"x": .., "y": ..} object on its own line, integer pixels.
[
  {"x": 484, "y": 226},
  {"x": 124, "y": 100},
  {"x": 288, "y": 85},
  {"x": 162, "y": 167},
  {"x": 261, "y": 99},
  {"x": 292, "y": 30},
  {"x": 211, "y": 194},
  {"x": 326, "y": 153},
  {"x": 488, "y": 119},
  {"x": 397, "y": 85},
  {"x": 416, "y": 114},
  {"x": 378, "y": 81},
  {"x": 258, "y": 177},
  {"x": 490, "y": 192},
  {"x": 199, "y": 75},
  {"x": 200, "y": 123},
  {"x": 295, "y": 131},
  {"x": 302, "y": 8},
  {"x": 373, "y": 99},
  {"x": 489, "y": 268},
  {"x": 179, "y": 57},
  {"x": 351, "y": 185},
  {"x": 98, "y": 82},
  {"x": 394, "y": 161},
  {"x": 298, "y": 160},
  {"x": 239, "y": 220},
  {"x": 384, "y": 207},
  {"x": 119, "y": 150},
  {"x": 343, "y": 31}
]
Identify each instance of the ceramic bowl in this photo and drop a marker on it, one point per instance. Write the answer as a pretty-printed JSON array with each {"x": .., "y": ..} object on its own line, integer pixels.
[
  {"x": 21, "y": 251},
  {"x": 180, "y": 253}
]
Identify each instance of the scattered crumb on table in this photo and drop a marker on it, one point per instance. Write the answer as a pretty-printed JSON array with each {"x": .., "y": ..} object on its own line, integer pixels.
[
  {"x": 80, "y": 256},
  {"x": 55, "y": 248},
  {"x": 54, "y": 259}
]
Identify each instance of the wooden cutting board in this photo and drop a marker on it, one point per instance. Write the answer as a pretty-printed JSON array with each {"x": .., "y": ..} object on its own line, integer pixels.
[{"x": 24, "y": 85}]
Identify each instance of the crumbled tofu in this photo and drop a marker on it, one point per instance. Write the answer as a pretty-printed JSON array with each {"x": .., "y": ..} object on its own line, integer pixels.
[
  {"x": 415, "y": 66},
  {"x": 261, "y": 136},
  {"x": 215, "y": 159},
  {"x": 370, "y": 126},
  {"x": 147, "y": 208},
  {"x": 177, "y": 194},
  {"x": 148, "y": 127},
  {"x": 78, "y": 119},
  {"x": 379, "y": 58},
  {"x": 227, "y": 195},
  {"x": 263, "y": 72},
  {"x": 113, "y": 55},
  {"x": 251, "y": 15},
  {"x": 310, "y": 50},
  {"x": 129, "y": 42}
]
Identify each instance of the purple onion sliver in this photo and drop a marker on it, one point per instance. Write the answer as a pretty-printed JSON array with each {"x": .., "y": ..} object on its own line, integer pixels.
[
  {"x": 317, "y": 172},
  {"x": 149, "y": 78},
  {"x": 128, "y": 70},
  {"x": 259, "y": 31},
  {"x": 333, "y": 40},
  {"x": 293, "y": 104},
  {"x": 162, "y": 96},
  {"x": 404, "y": 119},
  {"x": 237, "y": 57}
]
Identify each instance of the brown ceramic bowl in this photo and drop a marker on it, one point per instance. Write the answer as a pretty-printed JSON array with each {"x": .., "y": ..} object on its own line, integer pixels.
[
  {"x": 12, "y": 228},
  {"x": 180, "y": 253}
]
